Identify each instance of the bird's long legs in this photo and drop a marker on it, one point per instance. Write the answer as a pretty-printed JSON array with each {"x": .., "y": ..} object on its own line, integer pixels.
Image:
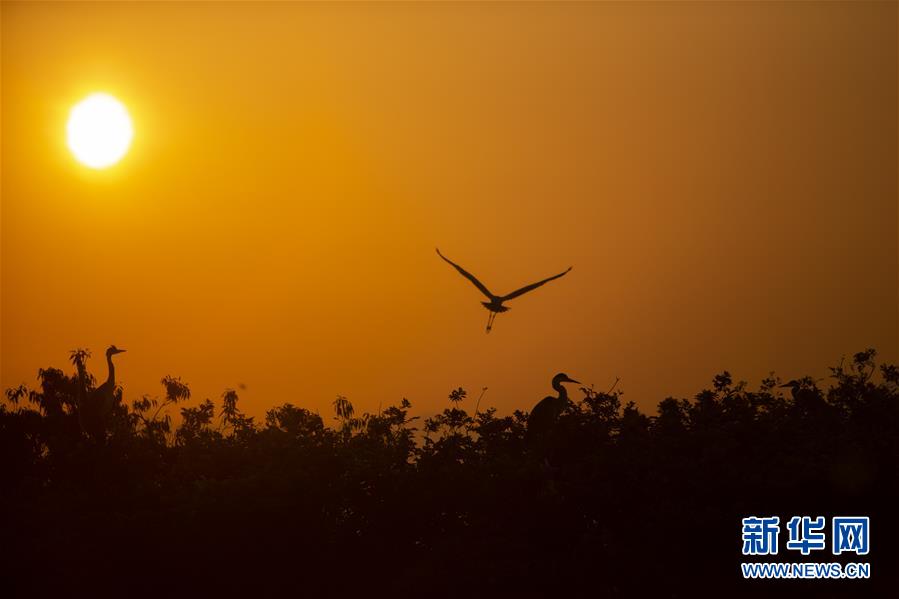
[{"x": 490, "y": 318}]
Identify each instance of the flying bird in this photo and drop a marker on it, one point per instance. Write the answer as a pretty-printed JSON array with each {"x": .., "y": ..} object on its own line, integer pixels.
[{"x": 495, "y": 305}]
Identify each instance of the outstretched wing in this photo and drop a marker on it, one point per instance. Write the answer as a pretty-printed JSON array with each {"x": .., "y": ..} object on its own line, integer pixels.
[
  {"x": 468, "y": 276},
  {"x": 532, "y": 286}
]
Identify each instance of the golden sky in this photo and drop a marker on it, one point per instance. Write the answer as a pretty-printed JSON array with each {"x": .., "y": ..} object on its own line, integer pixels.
[{"x": 722, "y": 177}]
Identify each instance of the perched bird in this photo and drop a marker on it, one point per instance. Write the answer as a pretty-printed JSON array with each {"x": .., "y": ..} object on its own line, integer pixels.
[
  {"x": 794, "y": 386},
  {"x": 97, "y": 406},
  {"x": 495, "y": 305},
  {"x": 806, "y": 395},
  {"x": 545, "y": 414}
]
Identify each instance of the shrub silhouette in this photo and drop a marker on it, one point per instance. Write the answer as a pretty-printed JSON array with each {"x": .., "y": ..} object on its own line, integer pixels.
[{"x": 629, "y": 503}]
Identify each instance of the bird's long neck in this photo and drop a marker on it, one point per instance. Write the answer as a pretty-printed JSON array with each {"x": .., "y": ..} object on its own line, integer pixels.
[
  {"x": 562, "y": 391},
  {"x": 111, "y": 378}
]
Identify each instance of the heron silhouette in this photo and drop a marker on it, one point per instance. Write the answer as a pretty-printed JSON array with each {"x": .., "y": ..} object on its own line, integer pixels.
[
  {"x": 548, "y": 409},
  {"x": 806, "y": 396},
  {"x": 495, "y": 305},
  {"x": 97, "y": 406}
]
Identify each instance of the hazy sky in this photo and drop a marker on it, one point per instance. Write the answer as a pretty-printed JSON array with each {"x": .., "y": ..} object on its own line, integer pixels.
[{"x": 722, "y": 177}]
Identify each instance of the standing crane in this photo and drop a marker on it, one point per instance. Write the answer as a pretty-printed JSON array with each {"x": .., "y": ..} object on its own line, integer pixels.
[
  {"x": 543, "y": 417},
  {"x": 495, "y": 305},
  {"x": 97, "y": 406}
]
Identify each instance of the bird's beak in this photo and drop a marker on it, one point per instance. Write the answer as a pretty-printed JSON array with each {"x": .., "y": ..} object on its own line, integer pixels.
[
  {"x": 121, "y": 351},
  {"x": 571, "y": 380}
]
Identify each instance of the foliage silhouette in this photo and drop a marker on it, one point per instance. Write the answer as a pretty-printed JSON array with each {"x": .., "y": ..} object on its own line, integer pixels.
[{"x": 626, "y": 503}]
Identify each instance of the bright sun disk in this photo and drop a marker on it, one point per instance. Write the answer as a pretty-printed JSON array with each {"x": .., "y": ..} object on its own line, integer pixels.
[{"x": 99, "y": 131}]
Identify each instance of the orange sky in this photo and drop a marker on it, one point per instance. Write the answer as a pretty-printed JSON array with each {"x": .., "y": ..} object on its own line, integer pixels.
[{"x": 722, "y": 177}]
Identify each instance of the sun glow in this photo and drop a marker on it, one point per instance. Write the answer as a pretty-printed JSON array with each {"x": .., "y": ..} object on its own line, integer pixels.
[{"x": 99, "y": 131}]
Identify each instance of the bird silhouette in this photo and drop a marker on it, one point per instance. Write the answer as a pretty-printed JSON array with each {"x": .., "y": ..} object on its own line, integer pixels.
[
  {"x": 495, "y": 305},
  {"x": 806, "y": 397},
  {"x": 543, "y": 418},
  {"x": 794, "y": 386},
  {"x": 97, "y": 406},
  {"x": 547, "y": 411}
]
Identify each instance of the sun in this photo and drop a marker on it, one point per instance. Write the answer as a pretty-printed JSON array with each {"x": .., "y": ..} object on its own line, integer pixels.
[{"x": 99, "y": 131}]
